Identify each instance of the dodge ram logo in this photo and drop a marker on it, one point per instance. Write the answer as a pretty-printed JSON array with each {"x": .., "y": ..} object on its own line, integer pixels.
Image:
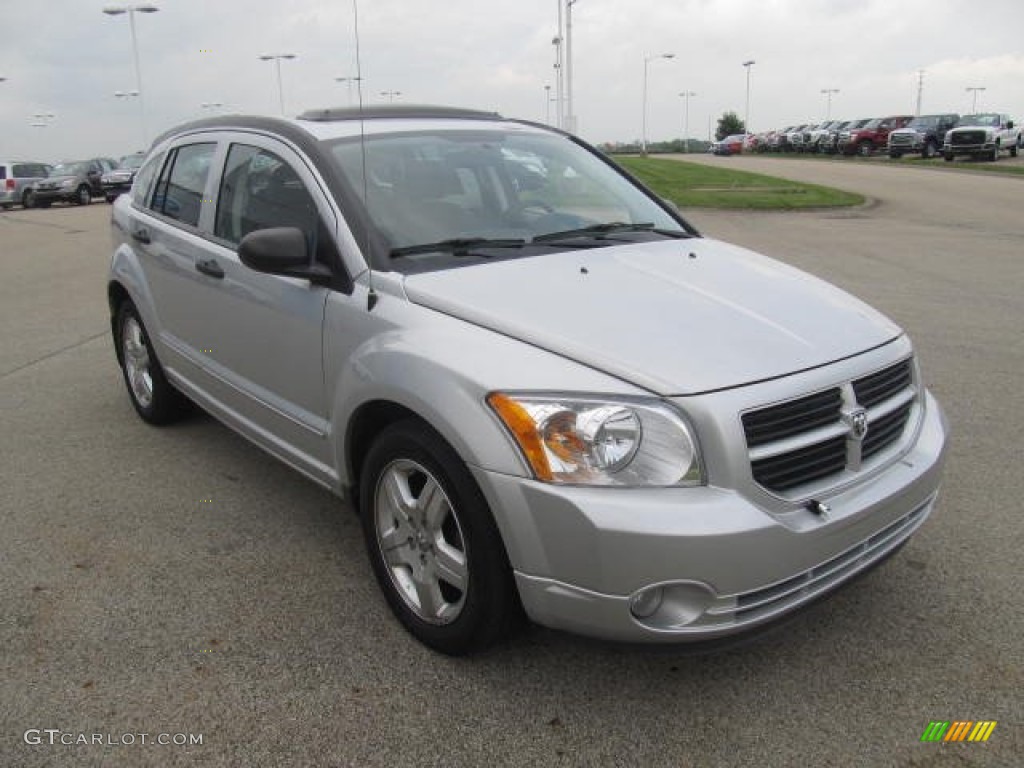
[{"x": 858, "y": 423}]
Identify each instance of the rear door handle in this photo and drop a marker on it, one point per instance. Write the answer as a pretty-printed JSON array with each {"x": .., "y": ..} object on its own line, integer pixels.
[
  {"x": 210, "y": 267},
  {"x": 141, "y": 235}
]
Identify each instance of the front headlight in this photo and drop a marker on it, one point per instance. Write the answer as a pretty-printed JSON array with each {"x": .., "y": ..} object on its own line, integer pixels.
[{"x": 580, "y": 440}]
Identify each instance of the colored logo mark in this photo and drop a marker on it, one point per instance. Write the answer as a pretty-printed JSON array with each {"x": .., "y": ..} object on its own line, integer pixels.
[{"x": 958, "y": 730}]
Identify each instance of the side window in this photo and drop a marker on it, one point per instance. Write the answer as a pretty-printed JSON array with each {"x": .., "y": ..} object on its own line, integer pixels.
[
  {"x": 259, "y": 190},
  {"x": 143, "y": 180},
  {"x": 179, "y": 191}
]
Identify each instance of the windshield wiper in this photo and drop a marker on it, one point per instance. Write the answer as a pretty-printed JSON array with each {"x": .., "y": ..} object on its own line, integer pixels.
[
  {"x": 457, "y": 246},
  {"x": 611, "y": 226}
]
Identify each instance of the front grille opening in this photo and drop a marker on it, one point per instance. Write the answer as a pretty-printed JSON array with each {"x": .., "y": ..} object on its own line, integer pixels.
[
  {"x": 885, "y": 431},
  {"x": 880, "y": 386},
  {"x": 779, "y": 473},
  {"x": 791, "y": 418}
]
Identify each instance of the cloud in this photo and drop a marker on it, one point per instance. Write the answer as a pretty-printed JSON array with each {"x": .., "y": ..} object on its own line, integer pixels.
[{"x": 66, "y": 57}]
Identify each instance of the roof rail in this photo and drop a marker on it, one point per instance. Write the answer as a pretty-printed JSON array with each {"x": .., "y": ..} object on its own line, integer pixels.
[{"x": 333, "y": 114}]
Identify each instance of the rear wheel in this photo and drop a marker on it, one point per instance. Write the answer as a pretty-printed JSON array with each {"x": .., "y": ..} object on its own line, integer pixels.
[
  {"x": 948, "y": 157},
  {"x": 28, "y": 200},
  {"x": 155, "y": 400},
  {"x": 1013, "y": 150},
  {"x": 433, "y": 543},
  {"x": 84, "y": 195}
]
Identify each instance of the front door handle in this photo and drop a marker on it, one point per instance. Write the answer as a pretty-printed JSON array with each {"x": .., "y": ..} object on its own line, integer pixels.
[
  {"x": 141, "y": 235},
  {"x": 210, "y": 267}
]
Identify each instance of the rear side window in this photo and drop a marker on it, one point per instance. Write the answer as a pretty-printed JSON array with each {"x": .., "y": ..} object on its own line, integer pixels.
[
  {"x": 144, "y": 178},
  {"x": 3, "y": 171},
  {"x": 30, "y": 171},
  {"x": 260, "y": 190},
  {"x": 179, "y": 191}
]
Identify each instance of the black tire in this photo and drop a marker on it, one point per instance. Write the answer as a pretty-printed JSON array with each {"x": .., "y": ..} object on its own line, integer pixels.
[
  {"x": 994, "y": 155},
  {"x": 83, "y": 195},
  {"x": 929, "y": 150},
  {"x": 895, "y": 155},
  {"x": 948, "y": 157},
  {"x": 28, "y": 200},
  {"x": 479, "y": 606},
  {"x": 164, "y": 403},
  {"x": 865, "y": 148},
  {"x": 111, "y": 198},
  {"x": 8, "y": 206},
  {"x": 1013, "y": 150}
]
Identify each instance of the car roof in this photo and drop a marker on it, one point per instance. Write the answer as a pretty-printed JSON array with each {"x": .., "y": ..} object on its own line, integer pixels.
[{"x": 339, "y": 122}]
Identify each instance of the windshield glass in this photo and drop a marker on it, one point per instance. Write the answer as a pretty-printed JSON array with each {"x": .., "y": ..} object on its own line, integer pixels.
[
  {"x": 131, "y": 162},
  {"x": 989, "y": 120},
  {"x": 923, "y": 122},
  {"x": 429, "y": 187},
  {"x": 68, "y": 169}
]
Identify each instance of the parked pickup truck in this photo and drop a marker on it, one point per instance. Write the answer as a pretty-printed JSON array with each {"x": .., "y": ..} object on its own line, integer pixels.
[
  {"x": 984, "y": 135},
  {"x": 923, "y": 135},
  {"x": 874, "y": 135}
]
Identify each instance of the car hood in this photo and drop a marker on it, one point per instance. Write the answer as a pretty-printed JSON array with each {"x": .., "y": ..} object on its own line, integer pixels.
[{"x": 675, "y": 317}]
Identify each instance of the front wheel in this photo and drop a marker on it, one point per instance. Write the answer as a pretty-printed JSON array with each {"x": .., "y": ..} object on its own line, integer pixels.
[
  {"x": 432, "y": 542},
  {"x": 1013, "y": 150},
  {"x": 84, "y": 195},
  {"x": 995, "y": 153},
  {"x": 864, "y": 148},
  {"x": 895, "y": 155},
  {"x": 153, "y": 397}
]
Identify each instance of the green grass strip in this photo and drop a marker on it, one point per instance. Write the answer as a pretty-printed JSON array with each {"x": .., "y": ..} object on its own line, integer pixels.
[{"x": 690, "y": 185}]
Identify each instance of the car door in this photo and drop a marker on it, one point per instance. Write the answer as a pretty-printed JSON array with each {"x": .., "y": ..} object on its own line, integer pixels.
[{"x": 260, "y": 336}]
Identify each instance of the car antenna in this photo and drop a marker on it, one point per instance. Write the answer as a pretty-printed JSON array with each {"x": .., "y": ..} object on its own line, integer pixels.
[{"x": 371, "y": 296}]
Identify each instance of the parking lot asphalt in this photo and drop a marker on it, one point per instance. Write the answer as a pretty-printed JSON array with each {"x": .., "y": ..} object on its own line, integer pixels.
[{"x": 179, "y": 581}]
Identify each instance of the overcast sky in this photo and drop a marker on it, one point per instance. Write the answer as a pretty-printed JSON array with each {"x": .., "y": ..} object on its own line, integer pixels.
[{"x": 67, "y": 58}]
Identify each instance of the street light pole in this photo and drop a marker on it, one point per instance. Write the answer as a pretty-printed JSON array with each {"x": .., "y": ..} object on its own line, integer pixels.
[
  {"x": 746, "y": 111},
  {"x": 276, "y": 58},
  {"x": 570, "y": 117},
  {"x": 131, "y": 10},
  {"x": 686, "y": 119},
  {"x": 828, "y": 105},
  {"x": 643, "y": 132},
  {"x": 547, "y": 105},
  {"x": 974, "y": 91},
  {"x": 348, "y": 80}
]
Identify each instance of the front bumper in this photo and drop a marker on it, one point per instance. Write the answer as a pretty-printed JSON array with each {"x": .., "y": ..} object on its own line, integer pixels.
[
  {"x": 968, "y": 149},
  {"x": 62, "y": 194},
  {"x": 588, "y": 560}
]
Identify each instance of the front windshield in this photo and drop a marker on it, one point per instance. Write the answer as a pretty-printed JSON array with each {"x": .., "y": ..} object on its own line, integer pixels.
[
  {"x": 923, "y": 122},
  {"x": 986, "y": 120},
  {"x": 873, "y": 123},
  {"x": 429, "y": 187},
  {"x": 68, "y": 169}
]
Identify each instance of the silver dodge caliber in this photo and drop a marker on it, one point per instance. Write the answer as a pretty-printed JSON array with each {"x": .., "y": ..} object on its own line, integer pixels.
[{"x": 542, "y": 389}]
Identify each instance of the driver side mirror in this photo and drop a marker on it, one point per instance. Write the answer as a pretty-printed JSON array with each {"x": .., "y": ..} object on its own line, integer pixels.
[{"x": 281, "y": 251}]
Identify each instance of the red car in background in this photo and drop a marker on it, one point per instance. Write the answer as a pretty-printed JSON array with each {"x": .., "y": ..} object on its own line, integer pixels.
[{"x": 730, "y": 145}]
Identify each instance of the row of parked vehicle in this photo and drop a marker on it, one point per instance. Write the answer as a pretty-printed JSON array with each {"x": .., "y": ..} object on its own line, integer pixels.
[
  {"x": 39, "y": 185},
  {"x": 984, "y": 135}
]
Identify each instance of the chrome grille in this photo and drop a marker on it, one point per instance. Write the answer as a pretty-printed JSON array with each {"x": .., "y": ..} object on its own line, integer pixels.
[
  {"x": 967, "y": 137},
  {"x": 812, "y": 438},
  {"x": 901, "y": 139}
]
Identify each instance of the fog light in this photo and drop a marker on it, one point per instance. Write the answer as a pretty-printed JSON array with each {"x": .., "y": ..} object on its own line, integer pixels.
[{"x": 645, "y": 602}]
